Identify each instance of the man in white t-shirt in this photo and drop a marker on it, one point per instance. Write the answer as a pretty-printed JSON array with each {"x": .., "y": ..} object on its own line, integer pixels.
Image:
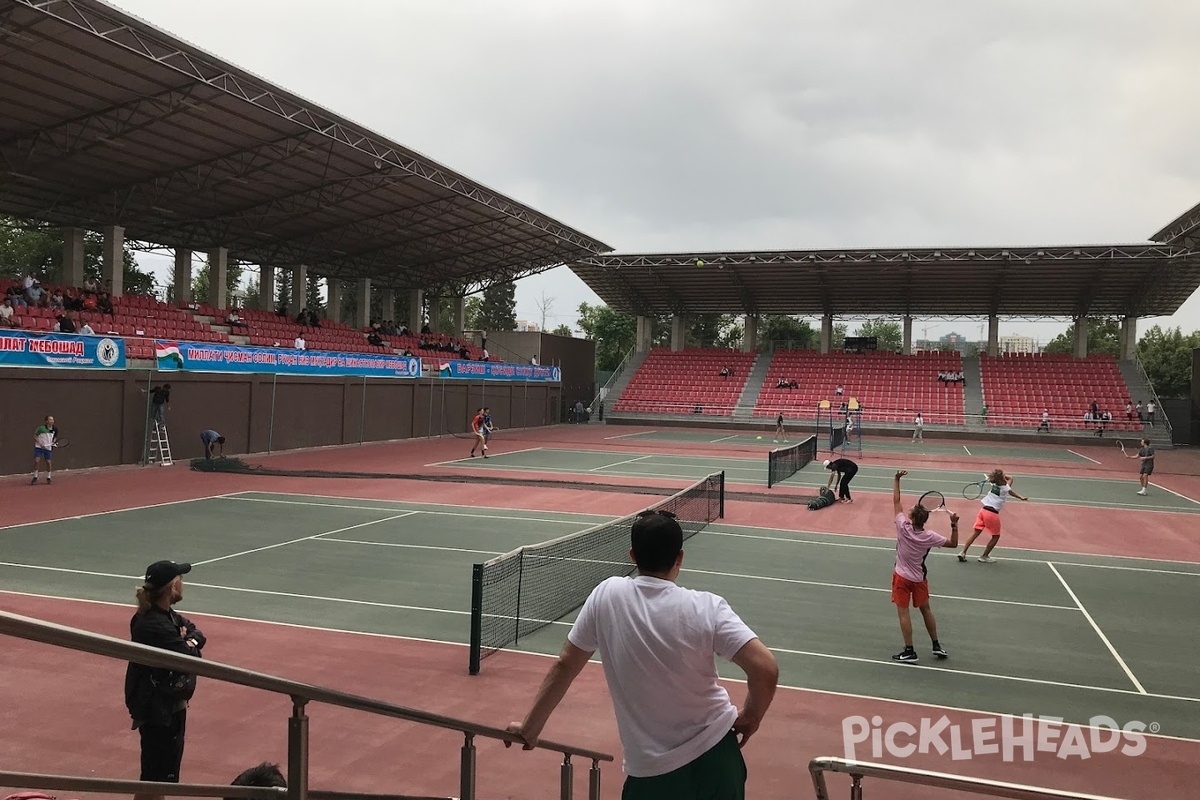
[
  {"x": 657, "y": 640},
  {"x": 919, "y": 428}
]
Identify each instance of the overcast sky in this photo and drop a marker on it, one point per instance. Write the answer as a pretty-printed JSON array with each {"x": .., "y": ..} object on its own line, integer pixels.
[{"x": 680, "y": 125}]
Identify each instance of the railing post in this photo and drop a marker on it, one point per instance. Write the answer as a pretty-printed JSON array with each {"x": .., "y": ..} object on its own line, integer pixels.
[
  {"x": 298, "y": 751},
  {"x": 856, "y": 787},
  {"x": 568, "y": 777},
  {"x": 466, "y": 770},
  {"x": 594, "y": 781},
  {"x": 819, "y": 785}
]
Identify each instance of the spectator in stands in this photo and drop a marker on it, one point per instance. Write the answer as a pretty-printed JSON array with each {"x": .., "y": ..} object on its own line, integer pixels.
[
  {"x": 265, "y": 774},
  {"x": 157, "y": 699},
  {"x": 86, "y": 329},
  {"x": 64, "y": 324},
  {"x": 6, "y": 313},
  {"x": 725, "y": 373},
  {"x": 1139, "y": 412},
  {"x": 1095, "y": 410},
  {"x": 658, "y": 643},
  {"x": 1045, "y": 426},
  {"x": 1128, "y": 411},
  {"x": 90, "y": 286},
  {"x": 234, "y": 320},
  {"x": 71, "y": 301},
  {"x": 56, "y": 301},
  {"x": 210, "y": 438},
  {"x": 781, "y": 383},
  {"x": 33, "y": 295},
  {"x": 282, "y": 310},
  {"x": 533, "y": 360},
  {"x": 299, "y": 343},
  {"x": 485, "y": 355},
  {"x": 1150, "y": 413},
  {"x": 840, "y": 390},
  {"x": 104, "y": 304},
  {"x": 375, "y": 339},
  {"x": 302, "y": 317},
  {"x": 425, "y": 329}
]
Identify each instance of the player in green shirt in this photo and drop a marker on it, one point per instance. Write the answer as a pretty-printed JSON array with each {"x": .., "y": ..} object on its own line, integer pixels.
[{"x": 43, "y": 449}]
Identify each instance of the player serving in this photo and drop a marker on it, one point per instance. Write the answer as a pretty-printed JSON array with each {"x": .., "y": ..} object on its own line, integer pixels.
[
  {"x": 910, "y": 582},
  {"x": 989, "y": 515}
]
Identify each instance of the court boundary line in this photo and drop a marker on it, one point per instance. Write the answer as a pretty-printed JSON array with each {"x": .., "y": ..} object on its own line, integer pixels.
[
  {"x": 1081, "y": 455},
  {"x": 1120, "y": 661},
  {"x": 619, "y": 463},
  {"x": 301, "y": 539},
  {"x": 1172, "y": 491},
  {"x": 90, "y": 514},
  {"x": 595, "y": 660},
  {"x": 461, "y": 460},
  {"x": 417, "y": 511},
  {"x": 629, "y": 435}
]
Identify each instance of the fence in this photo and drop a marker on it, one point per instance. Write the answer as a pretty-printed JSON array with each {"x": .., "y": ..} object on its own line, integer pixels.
[{"x": 298, "y": 734}]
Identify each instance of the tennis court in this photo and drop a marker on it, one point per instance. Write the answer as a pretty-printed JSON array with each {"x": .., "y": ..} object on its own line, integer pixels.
[
  {"x": 1053, "y": 634},
  {"x": 1089, "y": 491}
]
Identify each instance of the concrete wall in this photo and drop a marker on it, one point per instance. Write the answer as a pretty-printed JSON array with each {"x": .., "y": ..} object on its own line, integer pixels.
[{"x": 105, "y": 413}]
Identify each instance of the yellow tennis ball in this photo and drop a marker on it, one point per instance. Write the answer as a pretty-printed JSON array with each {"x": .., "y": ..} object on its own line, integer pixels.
[
  {"x": 757, "y": 437},
  {"x": 699, "y": 263}
]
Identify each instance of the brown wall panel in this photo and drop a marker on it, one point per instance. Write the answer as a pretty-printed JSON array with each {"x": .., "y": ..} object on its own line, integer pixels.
[{"x": 87, "y": 408}]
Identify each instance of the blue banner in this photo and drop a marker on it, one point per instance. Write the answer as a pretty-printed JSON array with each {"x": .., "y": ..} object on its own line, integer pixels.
[
  {"x": 205, "y": 357},
  {"x": 500, "y": 371},
  {"x": 61, "y": 350}
]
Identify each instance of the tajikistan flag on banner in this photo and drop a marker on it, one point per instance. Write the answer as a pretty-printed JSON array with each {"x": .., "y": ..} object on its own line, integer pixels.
[{"x": 168, "y": 355}]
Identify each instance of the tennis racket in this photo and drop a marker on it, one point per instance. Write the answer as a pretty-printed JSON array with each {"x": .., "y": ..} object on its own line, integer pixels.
[
  {"x": 974, "y": 491},
  {"x": 933, "y": 501},
  {"x": 61, "y": 441},
  {"x": 1121, "y": 445}
]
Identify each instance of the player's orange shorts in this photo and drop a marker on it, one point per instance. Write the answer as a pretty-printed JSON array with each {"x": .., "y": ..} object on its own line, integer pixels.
[
  {"x": 906, "y": 592},
  {"x": 988, "y": 520}
]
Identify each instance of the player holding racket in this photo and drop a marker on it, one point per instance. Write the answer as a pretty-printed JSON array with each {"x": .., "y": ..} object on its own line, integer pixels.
[
  {"x": 910, "y": 582},
  {"x": 43, "y": 449},
  {"x": 479, "y": 429},
  {"x": 989, "y": 514}
]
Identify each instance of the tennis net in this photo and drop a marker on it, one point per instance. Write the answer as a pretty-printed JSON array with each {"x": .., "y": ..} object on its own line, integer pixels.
[
  {"x": 525, "y": 590},
  {"x": 785, "y": 462}
]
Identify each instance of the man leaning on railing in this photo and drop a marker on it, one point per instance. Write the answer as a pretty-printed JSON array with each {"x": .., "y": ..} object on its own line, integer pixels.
[{"x": 157, "y": 699}]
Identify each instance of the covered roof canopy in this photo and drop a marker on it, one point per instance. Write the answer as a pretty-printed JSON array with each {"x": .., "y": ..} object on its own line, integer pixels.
[
  {"x": 109, "y": 121},
  {"x": 1133, "y": 280}
]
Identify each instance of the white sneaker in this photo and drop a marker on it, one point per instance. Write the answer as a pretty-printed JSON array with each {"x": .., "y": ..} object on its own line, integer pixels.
[
  {"x": 1142, "y": 492},
  {"x": 986, "y": 560}
]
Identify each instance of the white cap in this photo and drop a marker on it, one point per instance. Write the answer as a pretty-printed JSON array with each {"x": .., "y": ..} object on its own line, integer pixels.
[{"x": 826, "y": 462}]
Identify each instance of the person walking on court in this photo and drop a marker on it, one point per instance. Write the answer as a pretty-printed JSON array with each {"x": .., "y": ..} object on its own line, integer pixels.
[
  {"x": 779, "y": 429},
  {"x": 157, "y": 699},
  {"x": 989, "y": 514},
  {"x": 919, "y": 428},
  {"x": 681, "y": 735},
  {"x": 211, "y": 439},
  {"x": 843, "y": 470},
  {"x": 1145, "y": 453},
  {"x": 478, "y": 427},
  {"x": 910, "y": 578},
  {"x": 43, "y": 448}
]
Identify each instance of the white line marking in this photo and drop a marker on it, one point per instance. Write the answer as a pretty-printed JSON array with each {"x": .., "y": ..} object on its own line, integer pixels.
[
  {"x": 965, "y": 448},
  {"x": 116, "y": 511},
  {"x": 629, "y": 435},
  {"x": 301, "y": 539},
  {"x": 1172, "y": 491},
  {"x": 576, "y": 522},
  {"x": 1081, "y": 455},
  {"x": 1095, "y": 627},
  {"x": 469, "y": 460},
  {"x": 535, "y": 654},
  {"x": 417, "y": 503},
  {"x": 619, "y": 463},
  {"x": 419, "y": 547},
  {"x": 724, "y": 438}
]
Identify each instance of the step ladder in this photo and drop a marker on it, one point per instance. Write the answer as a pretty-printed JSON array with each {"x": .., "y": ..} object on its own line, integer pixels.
[{"x": 160, "y": 445}]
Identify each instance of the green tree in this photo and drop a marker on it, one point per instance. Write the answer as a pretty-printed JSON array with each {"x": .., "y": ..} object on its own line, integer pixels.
[
  {"x": 498, "y": 311},
  {"x": 1167, "y": 358},
  {"x": 473, "y": 314},
  {"x": 200, "y": 279},
  {"x": 563, "y": 330},
  {"x": 253, "y": 295},
  {"x": 283, "y": 289},
  {"x": 732, "y": 335},
  {"x": 707, "y": 330},
  {"x": 786, "y": 332},
  {"x": 613, "y": 333},
  {"x": 888, "y": 334},
  {"x": 314, "y": 299},
  {"x": 1104, "y": 336},
  {"x": 38, "y": 251}
]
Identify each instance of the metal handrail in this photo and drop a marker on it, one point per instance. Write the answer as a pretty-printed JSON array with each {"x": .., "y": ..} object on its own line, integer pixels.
[
  {"x": 1137, "y": 360},
  {"x": 602, "y": 391},
  {"x": 857, "y": 770},
  {"x": 56, "y": 635},
  {"x": 70, "y": 783}
]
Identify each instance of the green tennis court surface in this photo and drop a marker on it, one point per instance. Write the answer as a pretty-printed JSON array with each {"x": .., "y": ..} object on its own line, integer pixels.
[
  {"x": 880, "y": 444},
  {"x": 1089, "y": 492},
  {"x": 1036, "y": 633}
]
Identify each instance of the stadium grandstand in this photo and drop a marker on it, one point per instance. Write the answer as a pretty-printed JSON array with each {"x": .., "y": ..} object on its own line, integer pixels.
[{"x": 992, "y": 393}]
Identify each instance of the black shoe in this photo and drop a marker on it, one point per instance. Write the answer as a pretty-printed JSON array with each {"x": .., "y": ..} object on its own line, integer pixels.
[
  {"x": 32, "y": 482},
  {"x": 908, "y": 656},
  {"x": 940, "y": 652}
]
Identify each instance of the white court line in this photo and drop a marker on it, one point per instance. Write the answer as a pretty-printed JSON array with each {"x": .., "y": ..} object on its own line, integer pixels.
[
  {"x": 724, "y": 438},
  {"x": 1040, "y": 681},
  {"x": 575, "y": 522},
  {"x": 535, "y": 654},
  {"x": 302, "y": 539},
  {"x": 629, "y": 435},
  {"x": 619, "y": 463},
  {"x": 1081, "y": 455},
  {"x": 416, "y": 546},
  {"x": 1095, "y": 627},
  {"x": 965, "y": 448},
  {"x": 470, "y": 460},
  {"x": 1172, "y": 491},
  {"x": 116, "y": 511}
]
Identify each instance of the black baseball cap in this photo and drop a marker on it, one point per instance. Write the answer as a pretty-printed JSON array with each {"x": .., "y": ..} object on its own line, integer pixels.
[{"x": 160, "y": 573}]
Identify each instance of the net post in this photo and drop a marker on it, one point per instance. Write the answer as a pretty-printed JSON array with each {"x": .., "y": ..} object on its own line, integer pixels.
[
  {"x": 476, "y": 618},
  {"x": 721, "y": 508}
]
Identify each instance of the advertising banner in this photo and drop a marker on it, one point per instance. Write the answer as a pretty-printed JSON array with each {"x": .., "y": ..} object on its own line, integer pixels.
[
  {"x": 499, "y": 371},
  {"x": 208, "y": 357},
  {"x": 60, "y": 350}
]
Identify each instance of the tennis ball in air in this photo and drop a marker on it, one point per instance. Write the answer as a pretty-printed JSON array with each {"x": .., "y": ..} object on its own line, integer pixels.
[
  {"x": 757, "y": 437},
  {"x": 699, "y": 263}
]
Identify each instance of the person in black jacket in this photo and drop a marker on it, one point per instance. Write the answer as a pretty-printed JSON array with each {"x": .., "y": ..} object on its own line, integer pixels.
[
  {"x": 843, "y": 471},
  {"x": 157, "y": 699}
]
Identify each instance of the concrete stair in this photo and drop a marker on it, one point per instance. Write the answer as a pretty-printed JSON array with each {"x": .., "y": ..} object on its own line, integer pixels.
[
  {"x": 744, "y": 410},
  {"x": 1139, "y": 389},
  {"x": 620, "y": 380},
  {"x": 973, "y": 399}
]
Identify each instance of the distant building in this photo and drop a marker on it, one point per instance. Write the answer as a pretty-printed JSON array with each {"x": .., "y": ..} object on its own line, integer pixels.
[
  {"x": 527, "y": 326},
  {"x": 1017, "y": 344}
]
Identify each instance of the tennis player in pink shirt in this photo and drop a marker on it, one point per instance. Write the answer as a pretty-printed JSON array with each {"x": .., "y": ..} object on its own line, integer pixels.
[{"x": 910, "y": 583}]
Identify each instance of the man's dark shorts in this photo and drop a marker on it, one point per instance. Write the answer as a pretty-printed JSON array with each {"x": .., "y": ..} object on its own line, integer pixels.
[
  {"x": 162, "y": 749},
  {"x": 719, "y": 774},
  {"x": 1147, "y": 467}
]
